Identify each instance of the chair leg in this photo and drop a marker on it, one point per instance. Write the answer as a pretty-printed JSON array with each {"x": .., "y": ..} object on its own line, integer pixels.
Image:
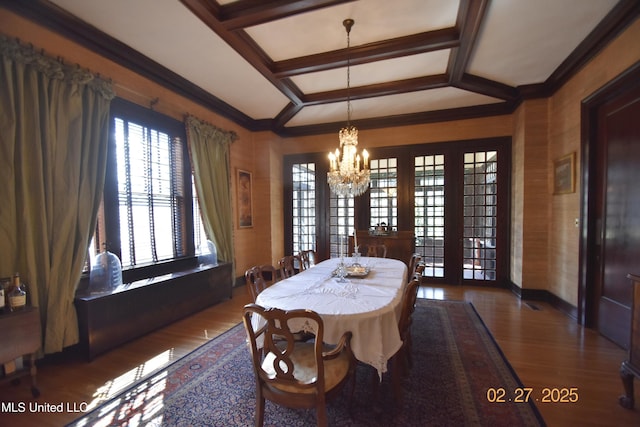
[
  {"x": 321, "y": 413},
  {"x": 408, "y": 351},
  {"x": 397, "y": 372},
  {"x": 352, "y": 388},
  {"x": 259, "y": 410},
  {"x": 376, "y": 385}
]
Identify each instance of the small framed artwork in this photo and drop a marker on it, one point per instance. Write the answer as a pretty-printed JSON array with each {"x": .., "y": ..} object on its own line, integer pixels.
[
  {"x": 245, "y": 208},
  {"x": 564, "y": 174}
]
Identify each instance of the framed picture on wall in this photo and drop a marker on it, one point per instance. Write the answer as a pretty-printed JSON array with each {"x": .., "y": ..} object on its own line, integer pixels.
[
  {"x": 245, "y": 205},
  {"x": 564, "y": 174}
]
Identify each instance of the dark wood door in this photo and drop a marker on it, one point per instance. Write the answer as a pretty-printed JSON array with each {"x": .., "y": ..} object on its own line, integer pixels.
[{"x": 618, "y": 208}]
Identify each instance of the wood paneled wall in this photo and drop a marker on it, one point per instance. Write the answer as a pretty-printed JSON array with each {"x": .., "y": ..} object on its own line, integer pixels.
[
  {"x": 529, "y": 177},
  {"x": 563, "y": 138},
  {"x": 458, "y": 130}
]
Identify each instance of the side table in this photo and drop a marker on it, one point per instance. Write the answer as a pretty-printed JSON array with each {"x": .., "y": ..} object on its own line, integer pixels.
[{"x": 20, "y": 335}]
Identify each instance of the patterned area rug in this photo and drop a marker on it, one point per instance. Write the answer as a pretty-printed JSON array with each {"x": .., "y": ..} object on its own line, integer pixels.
[{"x": 457, "y": 366}]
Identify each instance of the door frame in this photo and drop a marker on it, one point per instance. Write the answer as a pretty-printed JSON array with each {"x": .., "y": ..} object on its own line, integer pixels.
[{"x": 589, "y": 233}]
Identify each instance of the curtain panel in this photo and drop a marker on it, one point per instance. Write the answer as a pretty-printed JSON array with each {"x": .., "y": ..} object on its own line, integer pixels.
[
  {"x": 209, "y": 150},
  {"x": 53, "y": 144}
]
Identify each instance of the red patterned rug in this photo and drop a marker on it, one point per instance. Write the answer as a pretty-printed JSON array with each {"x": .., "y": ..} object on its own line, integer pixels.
[{"x": 458, "y": 372}]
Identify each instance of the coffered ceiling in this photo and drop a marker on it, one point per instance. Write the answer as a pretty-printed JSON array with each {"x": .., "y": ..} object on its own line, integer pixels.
[{"x": 281, "y": 65}]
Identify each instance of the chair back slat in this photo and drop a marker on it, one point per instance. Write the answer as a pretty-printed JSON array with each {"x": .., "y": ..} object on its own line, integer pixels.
[
  {"x": 413, "y": 263},
  {"x": 275, "y": 363},
  {"x": 259, "y": 277},
  {"x": 287, "y": 265},
  {"x": 307, "y": 259},
  {"x": 409, "y": 298}
]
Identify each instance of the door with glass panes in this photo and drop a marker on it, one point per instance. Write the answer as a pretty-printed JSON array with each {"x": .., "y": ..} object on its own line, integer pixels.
[
  {"x": 454, "y": 197},
  {"x": 457, "y": 212}
]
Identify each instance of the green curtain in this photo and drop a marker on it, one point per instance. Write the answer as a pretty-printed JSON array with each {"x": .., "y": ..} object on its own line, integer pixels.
[
  {"x": 53, "y": 141},
  {"x": 209, "y": 149}
]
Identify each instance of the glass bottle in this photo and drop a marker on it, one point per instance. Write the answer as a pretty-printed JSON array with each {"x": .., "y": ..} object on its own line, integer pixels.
[
  {"x": 106, "y": 273},
  {"x": 17, "y": 296}
]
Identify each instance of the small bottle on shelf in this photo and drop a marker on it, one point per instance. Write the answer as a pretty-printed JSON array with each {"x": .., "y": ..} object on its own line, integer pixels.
[{"x": 17, "y": 296}]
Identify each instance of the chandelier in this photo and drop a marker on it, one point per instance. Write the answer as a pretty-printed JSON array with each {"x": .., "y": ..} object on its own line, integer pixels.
[{"x": 348, "y": 176}]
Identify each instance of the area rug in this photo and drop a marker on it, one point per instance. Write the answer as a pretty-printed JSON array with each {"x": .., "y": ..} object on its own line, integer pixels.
[{"x": 458, "y": 370}]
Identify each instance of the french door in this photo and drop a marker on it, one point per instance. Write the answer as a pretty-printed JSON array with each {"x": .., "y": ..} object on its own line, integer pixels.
[
  {"x": 456, "y": 215},
  {"x": 453, "y": 196}
]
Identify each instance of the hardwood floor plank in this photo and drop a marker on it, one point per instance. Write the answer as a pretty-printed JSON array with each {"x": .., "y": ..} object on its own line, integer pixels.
[{"x": 546, "y": 348}]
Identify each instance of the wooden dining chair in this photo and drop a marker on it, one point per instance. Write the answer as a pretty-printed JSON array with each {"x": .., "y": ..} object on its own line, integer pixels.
[
  {"x": 307, "y": 259},
  {"x": 413, "y": 262},
  {"x": 292, "y": 373},
  {"x": 259, "y": 277},
  {"x": 418, "y": 270},
  {"x": 379, "y": 251},
  {"x": 287, "y": 265},
  {"x": 401, "y": 362}
]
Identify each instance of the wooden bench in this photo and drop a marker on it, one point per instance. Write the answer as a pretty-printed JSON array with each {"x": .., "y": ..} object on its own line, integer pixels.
[{"x": 107, "y": 320}]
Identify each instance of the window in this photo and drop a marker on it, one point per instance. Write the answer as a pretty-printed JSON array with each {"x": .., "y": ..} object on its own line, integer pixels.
[
  {"x": 149, "y": 201},
  {"x": 341, "y": 217},
  {"x": 304, "y": 206},
  {"x": 150, "y": 194},
  {"x": 429, "y": 212},
  {"x": 480, "y": 214},
  {"x": 199, "y": 235},
  {"x": 384, "y": 193}
]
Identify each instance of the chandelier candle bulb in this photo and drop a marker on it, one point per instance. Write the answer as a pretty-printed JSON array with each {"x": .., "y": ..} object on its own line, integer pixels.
[{"x": 355, "y": 240}]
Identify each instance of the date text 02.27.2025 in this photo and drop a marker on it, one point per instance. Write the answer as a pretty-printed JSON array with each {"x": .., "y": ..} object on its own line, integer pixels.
[{"x": 524, "y": 394}]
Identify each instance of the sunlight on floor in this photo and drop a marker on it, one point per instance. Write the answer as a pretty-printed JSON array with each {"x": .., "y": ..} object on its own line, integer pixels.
[
  {"x": 431, "y": 293},
  {"x": 146, "y": 401},
  {"x": 115, "y": 386}
]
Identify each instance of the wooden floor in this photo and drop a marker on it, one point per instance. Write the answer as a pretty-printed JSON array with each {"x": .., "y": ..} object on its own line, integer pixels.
[{"x": 546, "y": 349}]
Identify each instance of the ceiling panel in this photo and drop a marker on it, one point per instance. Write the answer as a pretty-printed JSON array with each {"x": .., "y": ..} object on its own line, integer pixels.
[
  {"x": 406, "y": 67},
  {"x": 524, "y": 42},
  {"x": 375, "y": 20},
  {"x": 282, "y": 65},
  {"x": 391, "y": 105}
]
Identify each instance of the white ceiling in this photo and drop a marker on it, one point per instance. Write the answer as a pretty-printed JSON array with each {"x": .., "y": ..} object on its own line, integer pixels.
[{"x": 516, "y": 43}]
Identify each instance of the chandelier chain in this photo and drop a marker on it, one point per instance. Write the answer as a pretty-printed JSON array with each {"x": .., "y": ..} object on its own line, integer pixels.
[
  {"x": 349, "y": 173},
  {"x": 348, "y": 77}
]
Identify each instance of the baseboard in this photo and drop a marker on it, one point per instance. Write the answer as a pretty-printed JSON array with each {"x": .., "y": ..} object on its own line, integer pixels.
[{"x": 546, "y": 296}]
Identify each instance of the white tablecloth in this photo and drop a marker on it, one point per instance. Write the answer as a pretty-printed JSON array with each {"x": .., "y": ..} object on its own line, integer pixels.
[{"x": 369, "y": 307}]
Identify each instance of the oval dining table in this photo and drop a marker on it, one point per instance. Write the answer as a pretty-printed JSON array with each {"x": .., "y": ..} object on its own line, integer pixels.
[{"x": 367, "y": 306}]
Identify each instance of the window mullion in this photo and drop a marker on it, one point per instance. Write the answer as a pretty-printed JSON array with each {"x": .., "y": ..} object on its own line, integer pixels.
[
  {"x": 129, "y": 198},
  {"x": 150, "y": 193},
  {"x": 176, "y": 166}
]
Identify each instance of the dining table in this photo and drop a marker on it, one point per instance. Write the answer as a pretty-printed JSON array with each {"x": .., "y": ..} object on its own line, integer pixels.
[{"x": 368, "y": 304}]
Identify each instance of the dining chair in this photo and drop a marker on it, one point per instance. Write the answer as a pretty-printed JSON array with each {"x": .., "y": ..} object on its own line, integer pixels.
[
  {"x": 418, "y": 270},
  {"x": 413, "y": 262},
  {"x": 379, "y": 251},
  {"x": 293, "y": 373},
  {"x": 287, "y": 265},
  {"x": 259, "y": 277},
  {"x": 307, "y": 259},
  {"x": 401, "y": 362}
]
